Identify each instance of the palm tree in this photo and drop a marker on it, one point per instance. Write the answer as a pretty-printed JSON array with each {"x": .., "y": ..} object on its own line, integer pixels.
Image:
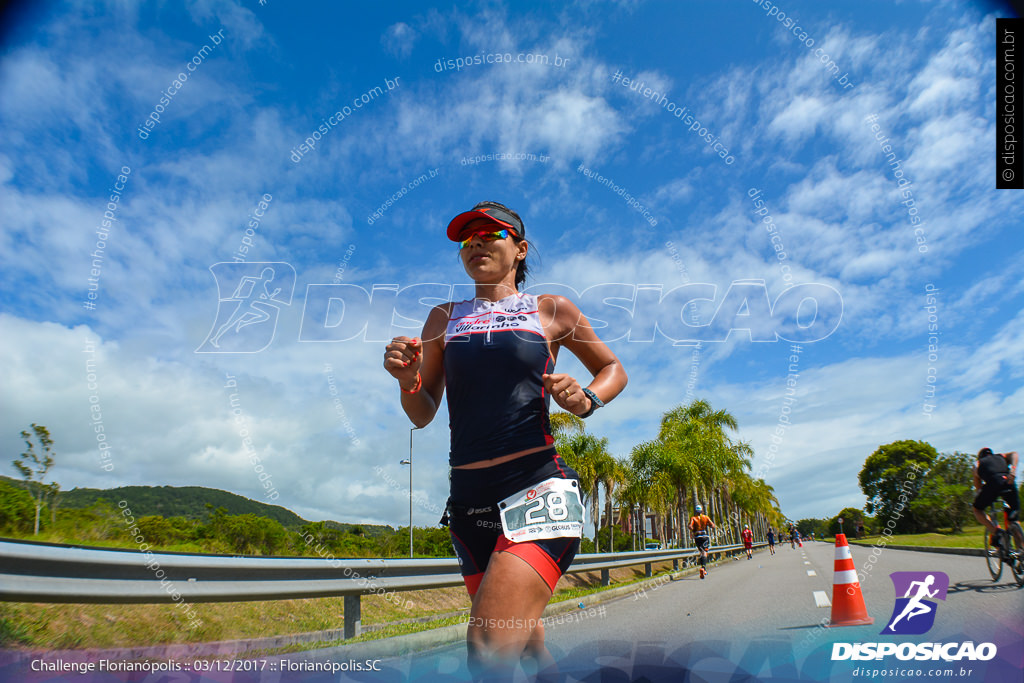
[
  {"x": 614, "y": 478},
  {"x": 589, "y": 456},
  {"x": 695, "y": 434},
  {"x": 605, "y": 468},
  {"x": 650, "y": 462},
  {"x": 734, "y": 461},
  {"x": 562, "y": 423},
  {"x": 631, "y": 494}
]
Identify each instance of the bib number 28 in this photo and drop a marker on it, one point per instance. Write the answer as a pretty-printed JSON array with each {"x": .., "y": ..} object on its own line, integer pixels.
[
  {"x": 550, "y": 509},
  {"x": 557, "y": 510}
]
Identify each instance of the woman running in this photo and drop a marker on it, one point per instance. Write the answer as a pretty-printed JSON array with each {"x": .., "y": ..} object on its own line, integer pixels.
[{"x": 515, "y": 514}]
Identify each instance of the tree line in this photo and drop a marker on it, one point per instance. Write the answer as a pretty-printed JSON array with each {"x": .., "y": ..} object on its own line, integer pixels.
[
  {"x": 910, "y": 488},
  {"x": 39, "y": 509},
  {"x": 213, "y": 531},
  {"x": 693, "y": 459}
]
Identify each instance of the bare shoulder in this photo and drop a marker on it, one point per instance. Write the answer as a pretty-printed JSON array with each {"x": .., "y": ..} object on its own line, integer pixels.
[
  {"x": 559, "y": 316},
  {"x": 437, "y": 322},
  {"x": 558, "y": 309},
  {"x": 555, "y": 302}
]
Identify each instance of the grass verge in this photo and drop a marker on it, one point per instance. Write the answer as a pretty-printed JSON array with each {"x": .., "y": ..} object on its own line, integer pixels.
[{"x": 969, "y": 537}]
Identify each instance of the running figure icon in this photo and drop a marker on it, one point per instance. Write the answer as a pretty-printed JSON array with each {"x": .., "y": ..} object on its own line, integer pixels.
[
  {"x": 916, "y": 607},
  {"x": 252, "y": 304},
  {"x": 249, "y": 302}
]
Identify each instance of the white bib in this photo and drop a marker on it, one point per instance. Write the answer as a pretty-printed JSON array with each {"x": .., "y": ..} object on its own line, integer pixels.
[{"x": 551, "y": 509}]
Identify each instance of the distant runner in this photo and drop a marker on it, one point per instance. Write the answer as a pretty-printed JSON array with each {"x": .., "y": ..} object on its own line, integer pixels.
[
  {"x": 771, "y": 540},
  {"x": 699, "y": 525},
  {"x": 748, "y": 540}
]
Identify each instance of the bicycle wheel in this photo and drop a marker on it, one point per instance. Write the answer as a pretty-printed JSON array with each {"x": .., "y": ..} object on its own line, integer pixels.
[
  {"x": 1017, "y": 559},
  {"x": 992, "y": 556}
]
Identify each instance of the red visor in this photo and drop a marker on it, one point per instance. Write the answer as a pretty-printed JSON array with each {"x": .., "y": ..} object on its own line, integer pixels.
[{"x": 491, "y": 215}]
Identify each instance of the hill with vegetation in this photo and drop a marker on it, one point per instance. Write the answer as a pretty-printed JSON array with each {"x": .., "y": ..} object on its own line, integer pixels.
[
  {"x": 178, "y": 501},
  {"x": 193, "y": 519}
]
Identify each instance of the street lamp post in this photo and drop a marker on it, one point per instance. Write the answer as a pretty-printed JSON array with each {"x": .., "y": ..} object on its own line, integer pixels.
[{"x": 409, "y": 463}]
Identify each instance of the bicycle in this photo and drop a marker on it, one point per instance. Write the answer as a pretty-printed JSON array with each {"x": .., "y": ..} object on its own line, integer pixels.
[{"x": 996, "y": 557}]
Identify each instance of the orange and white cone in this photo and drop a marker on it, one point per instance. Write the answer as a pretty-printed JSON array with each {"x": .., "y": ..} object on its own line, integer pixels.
[{"x": 848, "y": 608}]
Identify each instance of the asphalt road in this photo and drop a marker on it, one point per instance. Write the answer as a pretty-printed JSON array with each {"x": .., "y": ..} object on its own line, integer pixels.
[
  {"x": 750, "y": 620},
  {"x": 758, "y": 620}
]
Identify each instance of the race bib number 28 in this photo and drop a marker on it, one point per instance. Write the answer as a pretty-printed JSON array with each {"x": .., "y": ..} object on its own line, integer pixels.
[{"x": 551, "y": 509}]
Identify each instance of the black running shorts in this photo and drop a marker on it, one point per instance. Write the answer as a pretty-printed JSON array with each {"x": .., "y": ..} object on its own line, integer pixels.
[{"x": 475, "y": 525}]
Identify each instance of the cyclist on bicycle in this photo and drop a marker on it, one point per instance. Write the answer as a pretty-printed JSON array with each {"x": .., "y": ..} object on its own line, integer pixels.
[
  {"x": 994, "y": 475},
  {"x": 699, "y": 525}
]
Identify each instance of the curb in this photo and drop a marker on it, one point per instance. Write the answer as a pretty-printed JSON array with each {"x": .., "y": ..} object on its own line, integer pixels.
[{"x": 975, "y": 552}]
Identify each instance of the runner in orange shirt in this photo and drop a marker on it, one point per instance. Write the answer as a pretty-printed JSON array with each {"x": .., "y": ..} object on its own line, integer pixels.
[{"x": 699, "y": 525}]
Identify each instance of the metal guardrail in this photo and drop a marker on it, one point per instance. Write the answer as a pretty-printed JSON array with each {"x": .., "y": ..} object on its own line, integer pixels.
[{"x": 58, "y": 573}]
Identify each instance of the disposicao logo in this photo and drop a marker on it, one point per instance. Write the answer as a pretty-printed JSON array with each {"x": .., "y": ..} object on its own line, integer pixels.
[
  {"x": 250, "y": 297},
  {"x": 913, "y": 613}
]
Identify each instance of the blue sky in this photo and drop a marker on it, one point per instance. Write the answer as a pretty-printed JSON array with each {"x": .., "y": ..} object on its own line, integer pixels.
[{"x": 78, "y": 83}]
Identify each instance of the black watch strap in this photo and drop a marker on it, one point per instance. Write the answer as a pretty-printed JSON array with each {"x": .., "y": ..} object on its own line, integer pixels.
[{"x": 595, "y": 402}]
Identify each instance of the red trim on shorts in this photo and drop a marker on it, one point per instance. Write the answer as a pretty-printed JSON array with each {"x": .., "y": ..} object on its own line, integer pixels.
[
  {"x": 534, "y": 556},
  {"x": 473, "y": 583},
  {"x": 567, "y": 549}
]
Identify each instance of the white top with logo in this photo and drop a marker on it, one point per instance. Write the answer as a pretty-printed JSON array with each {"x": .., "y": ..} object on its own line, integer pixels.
[{"x": 479, "y": 316}]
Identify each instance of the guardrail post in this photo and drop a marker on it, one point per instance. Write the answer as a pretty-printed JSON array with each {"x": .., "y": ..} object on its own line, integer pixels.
[
  {"x": 675, "y": 564},
  {"x": 353, "y": 616},
  {"x": 605, "y": 577},
  {"x": 647, "y": 569}
]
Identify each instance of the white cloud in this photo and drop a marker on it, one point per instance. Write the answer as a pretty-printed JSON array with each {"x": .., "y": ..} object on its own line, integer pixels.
[
  {"x": 800, "y": 119},
  {"x": 399, "y": 39}
]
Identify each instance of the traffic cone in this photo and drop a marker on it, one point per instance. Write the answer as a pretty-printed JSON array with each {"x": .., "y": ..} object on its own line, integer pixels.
[{"x": 848, "y": 608}]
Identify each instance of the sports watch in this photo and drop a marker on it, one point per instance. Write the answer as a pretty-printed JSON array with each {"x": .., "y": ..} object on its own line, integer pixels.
[{"x": 595, "y": 402}]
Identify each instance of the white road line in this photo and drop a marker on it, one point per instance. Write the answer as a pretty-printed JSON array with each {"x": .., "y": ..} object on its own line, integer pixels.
[
  {"x": 806, "y": 562},
  {"x": 821, "y": 599},
  {"x": 811, "y": 572}
]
